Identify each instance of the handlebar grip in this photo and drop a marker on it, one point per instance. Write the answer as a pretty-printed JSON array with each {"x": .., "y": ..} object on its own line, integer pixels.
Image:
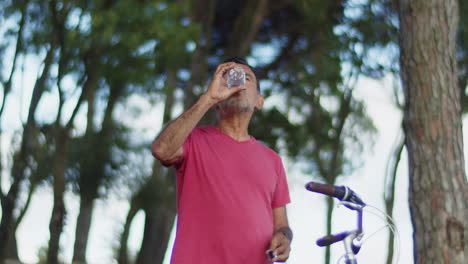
[
  {"x": 321, "y": 188},
  {"x": 343, "y": 193},
  {"x": 330, "y": 239}
]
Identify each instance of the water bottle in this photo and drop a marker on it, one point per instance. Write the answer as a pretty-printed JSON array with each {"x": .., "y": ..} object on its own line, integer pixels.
[{"x": 235, "y": 77}]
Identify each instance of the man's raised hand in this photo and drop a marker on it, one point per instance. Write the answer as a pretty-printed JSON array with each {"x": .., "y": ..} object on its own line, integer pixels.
[{"x": 217, "y": 90}]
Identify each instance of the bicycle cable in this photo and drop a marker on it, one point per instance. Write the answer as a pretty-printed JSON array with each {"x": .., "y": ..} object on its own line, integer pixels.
[{"x": 391, "y": 225}]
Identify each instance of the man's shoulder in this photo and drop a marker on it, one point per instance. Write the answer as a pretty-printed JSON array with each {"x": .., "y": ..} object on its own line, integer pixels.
[{"x": 268, "y": 151}]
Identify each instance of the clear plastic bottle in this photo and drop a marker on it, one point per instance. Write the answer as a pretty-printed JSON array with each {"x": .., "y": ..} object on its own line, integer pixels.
[{"x": 235, "y": 77}]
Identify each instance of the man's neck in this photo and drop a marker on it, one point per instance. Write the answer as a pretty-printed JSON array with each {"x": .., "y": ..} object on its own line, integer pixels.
[{"x": 235, "y": 127}]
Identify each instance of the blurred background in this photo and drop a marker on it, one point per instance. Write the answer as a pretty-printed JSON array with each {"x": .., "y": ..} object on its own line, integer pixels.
[{"x": 87, "y": 85}]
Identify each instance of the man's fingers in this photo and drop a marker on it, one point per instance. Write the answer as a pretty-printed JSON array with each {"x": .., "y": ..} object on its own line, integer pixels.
[
  {"x": 279, "y": 249},
  {"x": 222, "y": 68},
  {"x": 278, "y": 257},
  {"x": 275, "y": 243},
  {"x": 280, "y": 254},
  {"x": 282, "y": 257}
]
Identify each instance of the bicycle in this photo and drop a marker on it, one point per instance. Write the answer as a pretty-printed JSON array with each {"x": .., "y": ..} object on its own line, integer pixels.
[{"x": 351, "y": 239}]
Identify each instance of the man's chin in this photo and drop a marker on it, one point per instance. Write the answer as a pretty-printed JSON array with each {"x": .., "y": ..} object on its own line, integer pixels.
[
  {"x": 229, "y": 110},
  {"x": 231, "y": 102}
]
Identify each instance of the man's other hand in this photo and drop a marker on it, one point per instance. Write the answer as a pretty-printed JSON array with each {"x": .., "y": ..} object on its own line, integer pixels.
[{"x": 279, "y": 247}]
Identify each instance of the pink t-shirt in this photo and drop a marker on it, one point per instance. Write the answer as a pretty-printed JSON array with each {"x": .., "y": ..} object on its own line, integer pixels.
[{"x": 226, "y": 191}]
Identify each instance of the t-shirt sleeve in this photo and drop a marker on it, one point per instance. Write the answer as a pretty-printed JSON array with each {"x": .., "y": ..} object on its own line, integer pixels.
[{"x": 281, "y": 194}]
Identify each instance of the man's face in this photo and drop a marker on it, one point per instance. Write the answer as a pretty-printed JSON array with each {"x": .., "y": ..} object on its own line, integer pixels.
[{"x": 245, "y": 101}]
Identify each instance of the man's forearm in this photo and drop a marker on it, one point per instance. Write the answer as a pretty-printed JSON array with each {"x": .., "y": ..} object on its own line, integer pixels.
[{"x": 176, "y": 132}]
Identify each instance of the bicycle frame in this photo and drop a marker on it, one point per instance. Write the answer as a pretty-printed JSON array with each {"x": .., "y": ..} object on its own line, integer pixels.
[
  {"x": 348, "y": 237},
  {"x": 352, "y": 249}
]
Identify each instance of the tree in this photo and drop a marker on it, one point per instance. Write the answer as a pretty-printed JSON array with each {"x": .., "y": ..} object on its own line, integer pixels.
[
  {"x": 123, "y": 69},
  {"x": 8, "y": 236},
  {"x": 433, "y": 128},
  {"x": 462, "y": 55},
  {"x": 156, "y": 197},
  {"x": 23, "y": 159}
]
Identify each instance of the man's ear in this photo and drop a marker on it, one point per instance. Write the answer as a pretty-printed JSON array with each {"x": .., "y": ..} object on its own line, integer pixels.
[{"x": 260, "y": 102}]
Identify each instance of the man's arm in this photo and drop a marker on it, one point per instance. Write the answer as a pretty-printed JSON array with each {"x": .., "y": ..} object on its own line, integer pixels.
[
  {"x": 168, "y": 145},
  {"x": 280, "y": 244}
]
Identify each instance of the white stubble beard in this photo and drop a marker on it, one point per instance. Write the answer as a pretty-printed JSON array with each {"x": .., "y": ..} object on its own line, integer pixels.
[{"x": 234, "y": 105}]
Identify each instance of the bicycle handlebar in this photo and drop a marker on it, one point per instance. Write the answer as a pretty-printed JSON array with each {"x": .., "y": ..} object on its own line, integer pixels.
[
  {"x": 343, "y": 193},
  {"x": 352, "y": 201},
  {"x": 330, "y": 239}
]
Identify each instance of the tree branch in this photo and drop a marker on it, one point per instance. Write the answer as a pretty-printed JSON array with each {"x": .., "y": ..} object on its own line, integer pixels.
[
  {"x": 284, "y": 55},
  {"x": 389, "y": 193},
  {"x": 246, "y": 27},
  {"x": 18, "y": 50}
]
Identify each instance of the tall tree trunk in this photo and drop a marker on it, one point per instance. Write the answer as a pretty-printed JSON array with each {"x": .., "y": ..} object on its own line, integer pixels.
[
  {"x": 21, "y": 163},
  {"x": 158, "y": 223},
  {"x": 83, "y": 225},
  {"x": 12, "y": 248},
  {"x": 92, "y": 177},
  {"x": 433, "y": 127},
  {"x": 58, "y": 210},
  {"x": 328, "y": 226},
  {"x": 58, "y": 173},
  {"x": 123, "y": 251},
  {"x": 157, "y": 232}
]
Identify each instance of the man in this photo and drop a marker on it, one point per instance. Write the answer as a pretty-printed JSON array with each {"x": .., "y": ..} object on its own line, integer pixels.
[{"x": 231, "y": 189}]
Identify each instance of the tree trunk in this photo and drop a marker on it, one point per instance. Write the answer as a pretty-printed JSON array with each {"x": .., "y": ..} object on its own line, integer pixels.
[
  {"x": 20, "y": 163},
  {"x": 12, "y": 248},
  {"x": 92, "y": 177},
  {"x": 58, "y": 211},
  {"x": 161, "y": 212},
  {"x": 83, "y": 225},
  {"x": 156, "y": 235},
  {"x": 123, "y": 251},
  {"x": 328, "y": 226},
  {"x": 55, "y": 229},
  {"x": 433, "y": 127}
]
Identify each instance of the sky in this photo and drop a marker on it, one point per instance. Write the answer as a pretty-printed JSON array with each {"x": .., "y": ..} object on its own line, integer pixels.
[{"x": 306, "y": 212}]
